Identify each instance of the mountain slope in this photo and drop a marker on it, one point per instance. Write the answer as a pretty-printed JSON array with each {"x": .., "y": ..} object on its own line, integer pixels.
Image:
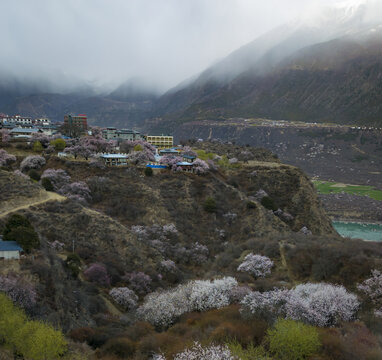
[{"x": 325, "y": 69}]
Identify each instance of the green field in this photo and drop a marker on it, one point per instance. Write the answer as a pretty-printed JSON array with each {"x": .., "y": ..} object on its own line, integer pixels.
[{"x": 327, "y": 187}]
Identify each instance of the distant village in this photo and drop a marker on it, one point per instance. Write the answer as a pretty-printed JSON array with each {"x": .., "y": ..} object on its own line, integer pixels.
[{"x": 114, "y": 147}]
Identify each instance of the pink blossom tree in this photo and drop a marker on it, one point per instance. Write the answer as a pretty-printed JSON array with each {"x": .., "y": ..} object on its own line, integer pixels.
[
  {"x": 97, "y": 273},
  {"x": 188, "y": 151},
  {"x": 256, "y": 265},
  {"x": 57, "y": 177},
  {"x": 200, "y": 167},
  {"x": 141, "y": 157},
  {"x": 32, "y": 162},
  {"x": 19, "y": 173},
  {"x": 19, "y": 291},
  {"x": 5, "y": 158},
  {"x": 4, "y": 136},
  {"x": 77, "y": 191},
  {"x": 170, "y": 161},
  {"x": 124, "y": 297},
  {"x": 42, "y": 138},
  {"x": 139, "y": 282},
  {"x": 128, "y": 146},
  {"x": 168, "y": 266},
  {"x": 96, "y": 143}
]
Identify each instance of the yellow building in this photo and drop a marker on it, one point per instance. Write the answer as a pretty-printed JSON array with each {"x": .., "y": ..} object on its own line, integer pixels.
[{"x": 161, "y": 142}]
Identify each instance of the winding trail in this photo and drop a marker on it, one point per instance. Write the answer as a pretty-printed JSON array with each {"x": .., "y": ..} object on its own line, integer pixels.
[{"x": 51, "y": 196}]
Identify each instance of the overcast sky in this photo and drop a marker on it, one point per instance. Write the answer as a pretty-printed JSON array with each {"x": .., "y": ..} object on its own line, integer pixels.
[{"x": 109, "y": 41}]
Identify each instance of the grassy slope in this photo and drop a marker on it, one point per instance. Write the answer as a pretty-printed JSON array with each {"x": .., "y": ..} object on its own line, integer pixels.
[{"x": 327, "y": 187}]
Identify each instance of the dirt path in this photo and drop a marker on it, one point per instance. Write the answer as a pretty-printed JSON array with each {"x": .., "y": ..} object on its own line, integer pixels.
[
  {"x": 50, "y": 196},
  {"x": 284, "y": 261}
]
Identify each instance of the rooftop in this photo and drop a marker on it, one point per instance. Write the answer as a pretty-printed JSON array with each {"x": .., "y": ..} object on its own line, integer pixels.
[
  {"x": 10, "y": 246},
  {"x": 23, "y": 130}
]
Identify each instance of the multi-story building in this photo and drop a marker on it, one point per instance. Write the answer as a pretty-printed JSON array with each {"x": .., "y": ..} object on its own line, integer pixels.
[
  {"x": 161, "y": 142},
  {"x": 41, "y": 122},
  {"x": 16, "y": 119},
  {"x": 75, "y": 125},
  {"x": 111, "y": 133}
]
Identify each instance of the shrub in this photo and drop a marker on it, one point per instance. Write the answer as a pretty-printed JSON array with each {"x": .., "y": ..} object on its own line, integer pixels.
[
  {"x": 31, "y": 339},
  {"x": 58, "y": 144},
  {"x": 121, "y": 347},
  {"x": 34, "y": 175},
  {"x": 210, "y": 205},
  {"x": 73, "y": 263},
  {"x": 40, "y": 341},
  {"x": 47, "y": 184},
  {"x": 291, "y": 340},
  {"x": 257, "y": 265},
  {"x": 19, "y": 229},
  {"x": 37, "y": 147},
  {"x": 124, "y": 297},
  {"x": 251, "y": 205},
  {"x": 26, "y": 237},
  {"x": 15, "y": 221},
  {"x": 268, "y": 203},
  {"x": 32, "y": 162},
  {"x": 148, "y": 171},
  {"x": 249, "y": 353},
  {"x": 351, "y": 341},
  {"x": 97, "y": 273}
]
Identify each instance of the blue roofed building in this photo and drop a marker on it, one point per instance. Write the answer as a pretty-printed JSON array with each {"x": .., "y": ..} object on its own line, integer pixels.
[
  {"x": 9, "y": 250},
  {"x": 23, "y": 133},
  {"x": 169, "y": 152},
  {"x": 188, "y": 158}
]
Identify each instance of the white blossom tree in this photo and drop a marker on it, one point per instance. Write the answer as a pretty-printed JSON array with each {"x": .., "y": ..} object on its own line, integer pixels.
[
  {"x": 162, "y": 309},
  {"x": 372, "y": 288},
  {"x": 124, "y": 297},
  {"x": 316, "y": 304},
  {"x": 207, "y": 294},
  {"x": 321, "y": 304},
  {"x": 256, "y": 265},
  {"x": 212, "y": 352}
]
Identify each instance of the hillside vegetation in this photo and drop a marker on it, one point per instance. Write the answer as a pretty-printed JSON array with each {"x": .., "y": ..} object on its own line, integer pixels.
[{"x": 148, "y": 265}]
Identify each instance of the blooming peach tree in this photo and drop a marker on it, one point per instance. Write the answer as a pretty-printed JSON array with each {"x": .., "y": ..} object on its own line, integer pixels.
[{"x": 256, "y": 265}]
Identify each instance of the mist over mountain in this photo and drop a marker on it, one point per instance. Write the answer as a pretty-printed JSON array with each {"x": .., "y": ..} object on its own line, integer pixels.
[{"x": 325, "y": 66}]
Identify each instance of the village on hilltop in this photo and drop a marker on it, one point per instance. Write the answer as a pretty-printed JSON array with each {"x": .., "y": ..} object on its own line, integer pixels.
[{"x": 111, "y": 146}]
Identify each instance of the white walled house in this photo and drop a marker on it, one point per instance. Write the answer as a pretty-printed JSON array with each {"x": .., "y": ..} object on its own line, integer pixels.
[{"x": 10, "y": 250}]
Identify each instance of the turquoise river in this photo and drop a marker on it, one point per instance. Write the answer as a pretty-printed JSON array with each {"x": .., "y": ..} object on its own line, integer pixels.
[{"x": 370, "y": 232}]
